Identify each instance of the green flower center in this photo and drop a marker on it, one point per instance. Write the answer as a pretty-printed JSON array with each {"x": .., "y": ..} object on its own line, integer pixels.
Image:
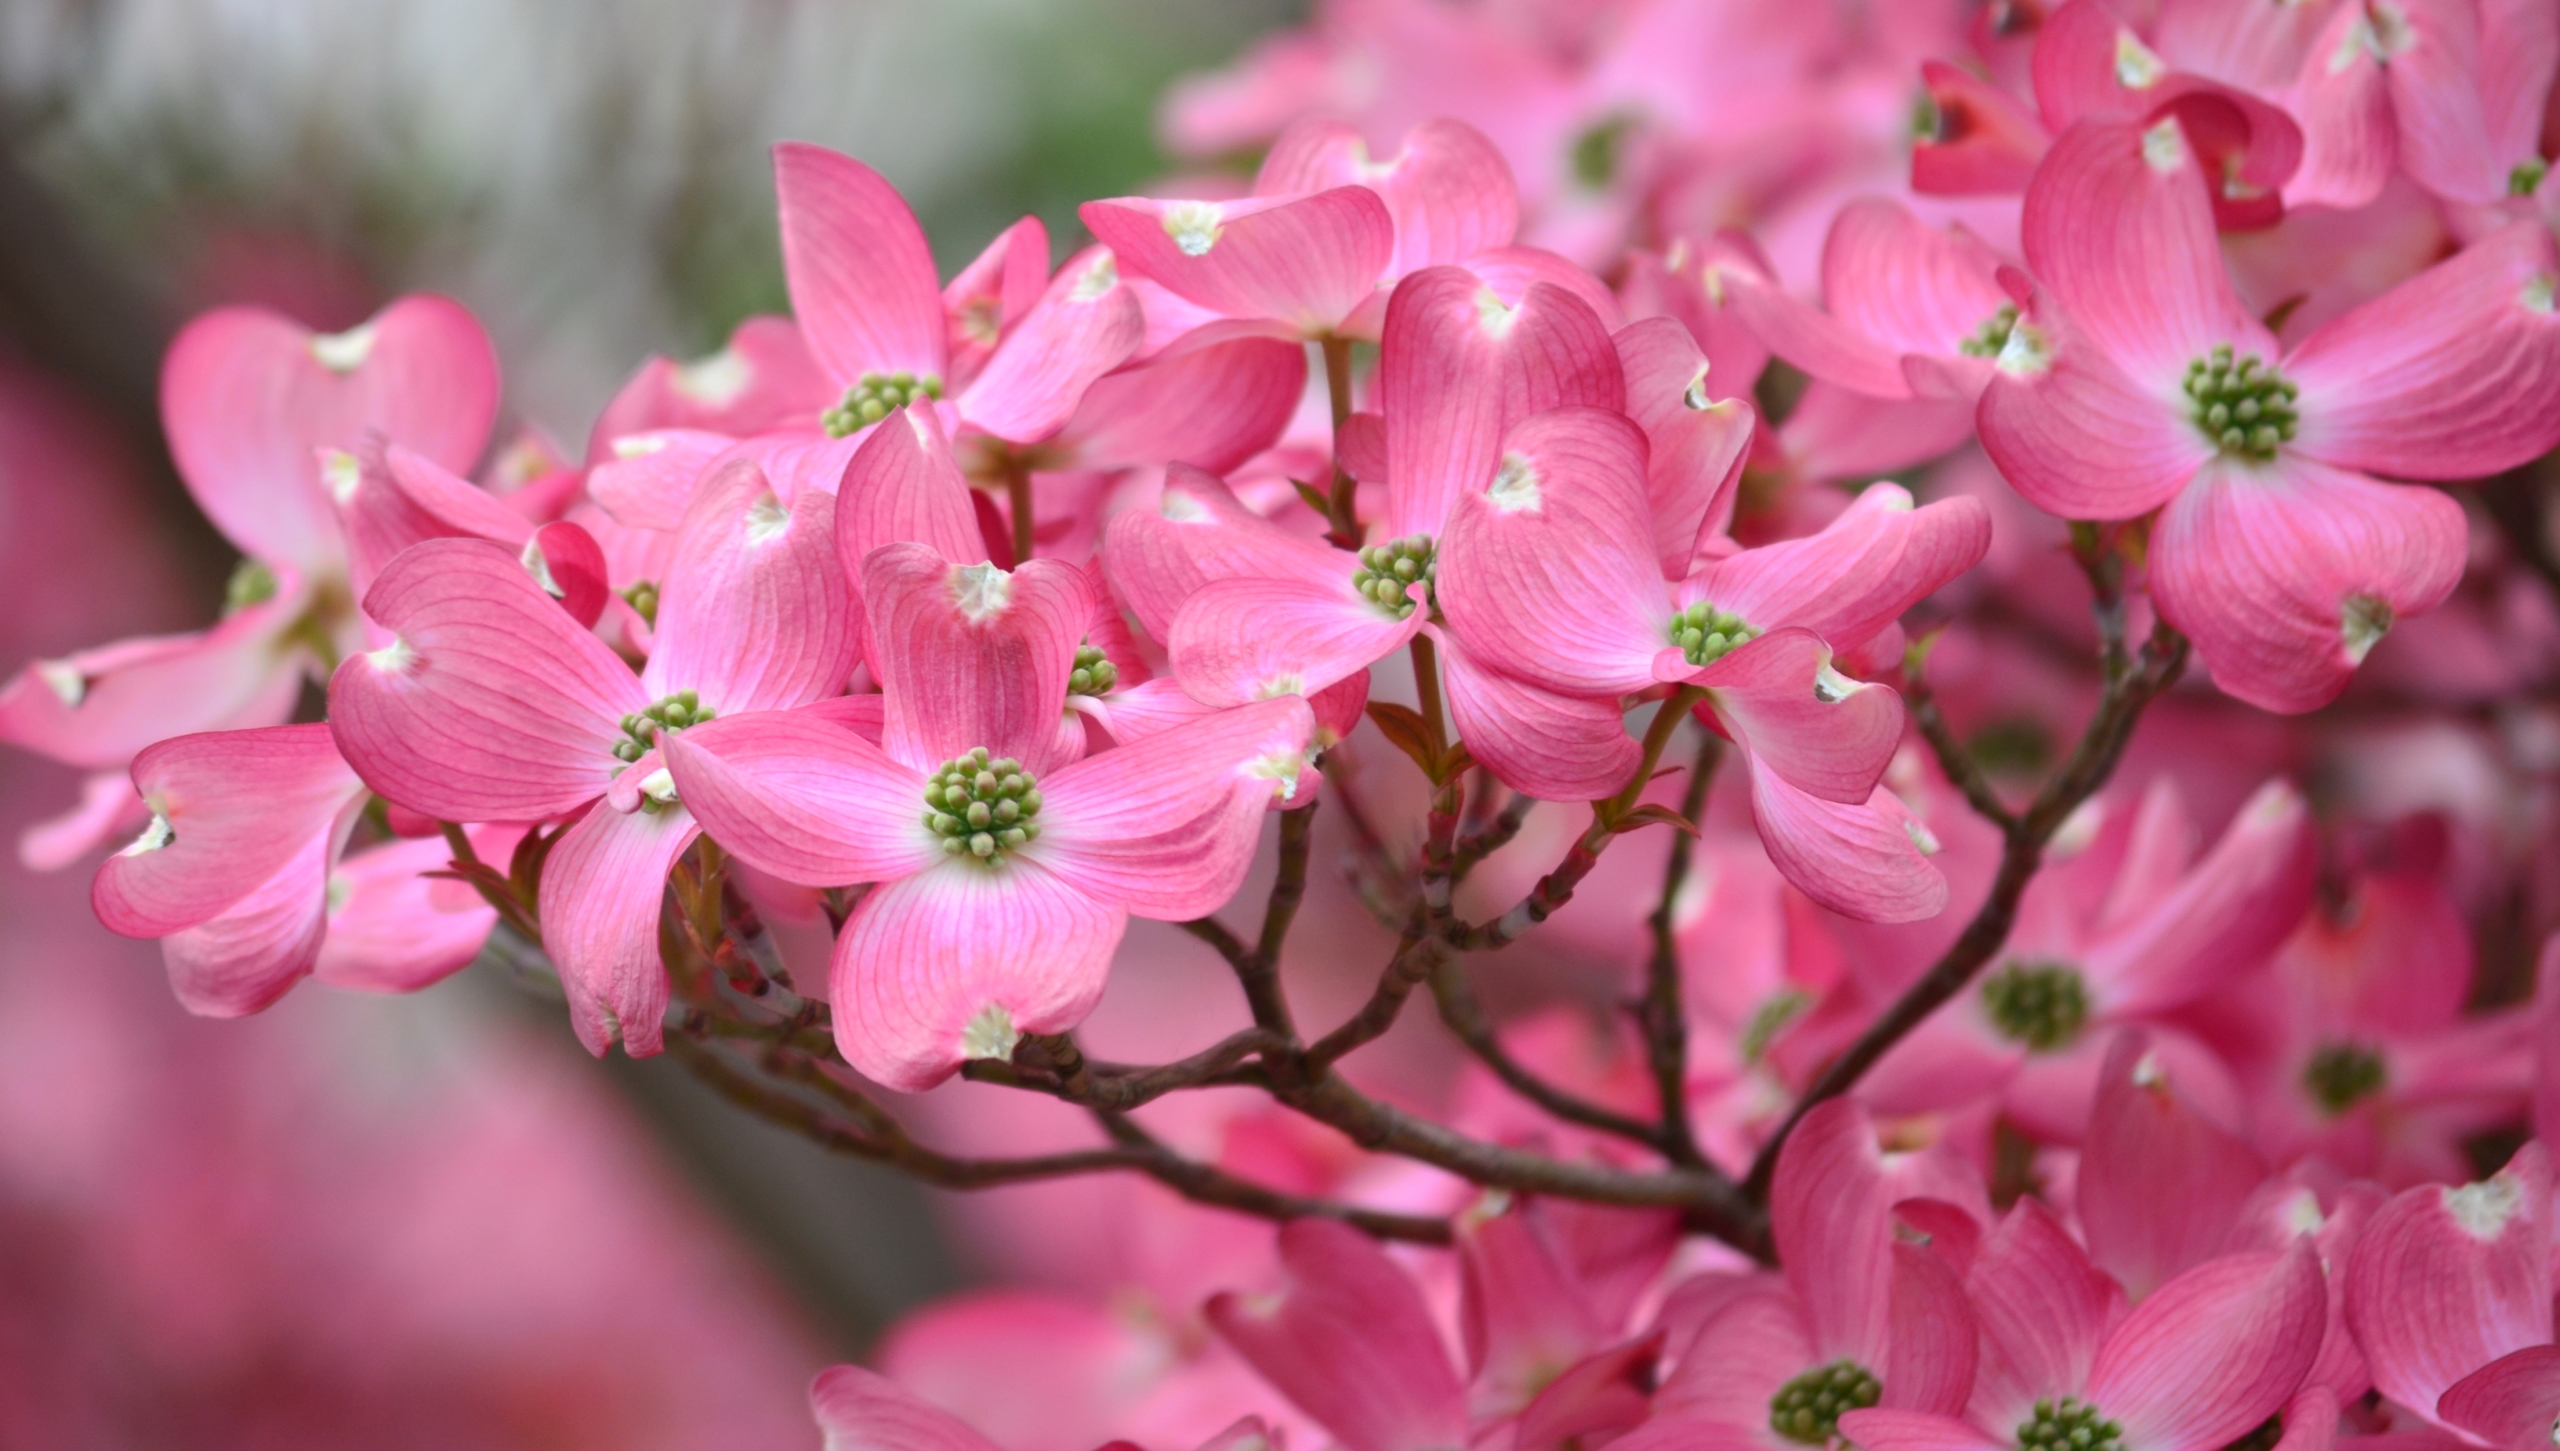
[
  {"x": 2244, "y": 407},
  {"x": 2069, "y": 1424},
  {"x": 1770, "y": 1019},
  {"x": 640, "y": 730},
  {"x": 2263, "y": 1438},
  {"x": 2041, "y": 1004},
  {"x": 980, "y": 807},
  {"x": 1093, "y": 674},
  {"x": 2526, "y": 179},
  {"x": 875, "y": 396},
  {"x": 1706, "y": 634},
  {"x": 1993, "y": 335},
  {"x": 1807, "y": 1409},
  {"x": 642, "y": 596},
  {"x": 2342, "y": 1075},
  {"x": 1599, "y": 151},
  {"x": 251, "y": 584},
  {"x": 1385, "y": 569}
]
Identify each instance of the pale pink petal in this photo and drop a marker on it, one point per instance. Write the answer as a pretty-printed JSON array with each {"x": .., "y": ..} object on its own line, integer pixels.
[
  {"x": 1884, "y": 1430},
  {"x": 1846, "y": 583},
  {"x": 803, "y": 798},
  {"x": 393, "y": 930},
  {"x": 1912, "y": 287},
  {"x": 1350, "y": 1342},
  {"x": 1447, "y": 187},
  {"x": 229, "y": 809},
  {"x": 1217, "y": 397},
  {"x": 95, "y": 708},
  {"x": 1460, "y": 369},
  {"x": 1248, "y": 639},
  {"x": 985, "y": 299},
  {"x": 242, "y": 960},
  {"x": 2160, "y": 1186},
  {"x": 1085, "y": 326},
  {"x": 1697, "y": 446},
  {"x": 2446, "y": 1279},
  {"x": 645, "y": 480},
  {"x": 1304, "y": 260},
  {"x": 109, "y": 811},
  {"x": 2511, "y": 1403},
  {"x": 1198, "y": 531},
  {"x": 1822, "y": 732},
  {"x": 860, "y": 1411},
  {"x": 1984, "y": 143},
  {"x": 2519, "y": 54},
  {"x": 2214, "y": 1352},
  {"x": 763, "y": 379},
  {"x": 2258, "y": 46},
  {"x": 1835, "y": 435},
  {"x": 862, "y": 280},
  {"x": 1553, "y": 747},
  {"x": 1815, "y": 341},
  {"x": 602, "y": 887},
  {"x": 2043, "y": 1309},
  {"x": 249, "y": 397},
  {"x": 756, "y": 612},
  {"x": 2445, "y": 376},
  {"x": 2073, "y": 433},
  {"x": 1512, "y": 271},
  {"x": 2285, "y": 576},
  {"x": 2222, "y": 919},
  {"x": 1864, "y": 861},
  {"x": 956, "y": 961},
  {"x": 905, "y": 486},
  {"x": 971, "y": 655},
  {"x": 395, "y": 498}
]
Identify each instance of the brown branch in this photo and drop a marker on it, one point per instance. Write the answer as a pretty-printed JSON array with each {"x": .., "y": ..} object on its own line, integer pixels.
[
  {"x": 1466, "y": 1018},
  {"x": 1660, "y": 1013},
  {"x": 1496, "y": 834}
]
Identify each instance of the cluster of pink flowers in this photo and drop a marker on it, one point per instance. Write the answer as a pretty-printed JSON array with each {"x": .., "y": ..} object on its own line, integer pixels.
[{"x": 1594, "y": 359}]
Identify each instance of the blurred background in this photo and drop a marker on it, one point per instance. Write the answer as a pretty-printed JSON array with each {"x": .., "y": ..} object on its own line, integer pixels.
[{"x": 429, "y": 1221}]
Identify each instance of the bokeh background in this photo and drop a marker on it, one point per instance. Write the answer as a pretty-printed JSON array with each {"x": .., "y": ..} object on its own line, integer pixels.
[{"x": 430, "y": 1221}]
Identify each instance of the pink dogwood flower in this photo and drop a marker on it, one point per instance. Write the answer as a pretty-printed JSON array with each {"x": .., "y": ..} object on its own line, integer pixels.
[
  {"x": 859, "y": 1410},
  {"x": 2134, "y": 381},
  {"x": 1006, "y": 869},
  {"x": 492, "y": 704}
]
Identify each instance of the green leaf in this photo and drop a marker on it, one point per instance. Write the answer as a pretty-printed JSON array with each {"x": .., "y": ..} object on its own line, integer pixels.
[{"x": 1644, "y": 816}]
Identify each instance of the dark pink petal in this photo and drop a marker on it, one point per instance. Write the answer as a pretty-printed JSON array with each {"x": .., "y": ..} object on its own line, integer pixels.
[
  {"x": 860, "y": 1411},
  {"x": 1609, "y": 1391},
  {"x": 2118, "y": 224},
  {"x": 1447, "y": 188},
  {"x": 1553, "y": 573},
  {"x": 490, "y": 704},
  {"x": 2160, "y": 1186},
  {"x": 1912, "y": 287},
  {"x": 646, "y": 480},
  {"x": 862, "y": 280},
  {"x": 1553, "y": 747},
  {"x": 394, "y": 498},
  {"x": 1460, "y": 368},
  {"x": 2219, "y": 920},
  {"x": 2285, "y": 576},
  {"x": 96, "y": 707},
  {"x": 1820, "y": 731},
  {"x": 1984, "y": 143},
  {"x": 601, "y": 891},
  {"x": 2043, "y": 1309},
  {"x": 970, "y": 655},
  {"x": 905, "y": 486},
  {"x": 1864, "y": 861},
  {"x": 1883, "y": 1430},
  {"x": 1199, "y": 531},
  {"x": 1929, "y": 1365},
  {"x": 763, "y": 379},
  {"x": 1166, "y": 826},
  {"x": 2214, "y": 1352},
  {"x": 2511, "y": 1403},
  {"x": 1878, "y": 559},
  {"x": 2447, "y": 1279},
  {"x": 1217, "y": 397},
  {"x": 2073, "y": 433},
  {"x": 393, "y": 930},
  {"x": 2445, "y": 376},
  {"x": 242, "y": 960},
  {"x": 1696, "y": 446},
  {"x": 249, "y": 397},
  {"x": 1252, "y": 638},
  {"x": 1833, "y": 1227},
  {"x": 1350, "y": 1342},
  {"x": 1085, "y": 326},
  {"x": 989, "y": 296},
  {"x": 803, "y": 798},
  {"x": 1304, "y": 260},
  {"x": 755, "y": 612},
  {"x": 229, "y": 810},
  {"x": 570, "y": 566},
  {"x": 958, "y": 961}
]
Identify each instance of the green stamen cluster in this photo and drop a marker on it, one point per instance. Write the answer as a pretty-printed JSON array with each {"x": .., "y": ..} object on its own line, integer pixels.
[
  {"x": 1993, "y": 335},
  {"x": 640, "y": 730},
  {"x": 642, "y": 596},
  {"x": 2041, "y": 1004},
  {"x": 251, "y": 584},
  {"x": 2526, "y": 179},
  {"x": 1807, "y": 1409},
  {"x": 1094, "y": 674},
  {"x": 2245, "y": 407},
  {"x": 2069, "y": 1424},
  {"x": 875, "y": 396},
  {"x": 2264, "y": 1438},
  {"x": 1706, "y": 634},
  {"x": 2342, "y": 1075},
  {"x": 1599, "y": 151},
  {"x": 980, "y": 807},
  {"x": 1385, "y": 569}
]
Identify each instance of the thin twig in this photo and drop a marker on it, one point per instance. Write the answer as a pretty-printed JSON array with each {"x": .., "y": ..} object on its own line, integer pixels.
[
  {"x": 1660, "y": 1013},
  {"x": 1466, "y": 1018}
]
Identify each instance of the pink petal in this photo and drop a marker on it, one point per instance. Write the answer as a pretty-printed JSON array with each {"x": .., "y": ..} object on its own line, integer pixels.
[
  {"x": 1815, "y": 341},
  {"x": 987, "y": 298},
  {"x": 2160, "y": 1187},
  {"x": 1220, "y": 395},
  {"x": 802, "y": 798},
  {"x": 1447, "y": 188},
  {"x": 2043, "y": 1309},
  {"x": 1835, "y": 435},
  {"x": 95, "y": 708},
  {"x": 1985, "y": 144},
  {"x": 2445, "y": 1279},
  {"x": 647, "y": 479},
  {"x": 2073, "y": 433},
  {"x": 1696, "y": 448},
  {"x": 954, "y": 962},
  {"x": 860, "y": 1411},
  {"x": 2511, "y": 1403},
  {"x": 2519, "y": 54},
  {"x": 230, "y": 809},
  {"x": 602, "y": 887},
  {"x": 1748, "y": 1348},
  {"x": 1828, "y": 1213},
  {"x": 393, "y": 930},
  {"x": 1198, "y": 531},
  {"x": 904, "y": 486},
  {"x": 1933, "y": 1347},
  {"x": 1512, "y": 271},
  {"x": 1883, "y": 1430},
  {"x": 1350, "y": 1342},
  {"x": 2443, "y": 376},
  {"x": 570, "y": 565},
  {"x": 1554, "y": 573},
  {"x": 1521, "y": 1313},
  {"x": 1249, "y": 639},
  {"x": 491, "y": 705},
  {"x": 763, "y": 379},
  {"x": 862, "y": 280},
  {"x": 2222, "y": 919},
  {"x": 400, "y": 498},
  {"x": 2285, "y": 576},
  {"x": 2434, "y": 71},
  {"x": 2350, "y": 141},
  {"x": 1912, "y": 287},
  {"x": 1878, "y": 559},
  {"x": 755, "y": 612},
  {"x": 255, "y": 950},
  {"x": 1460, "y": 368},
  {"x": 1609, "y": 1391},
  {"x": 1862, "y": 861},
  {"x": 109, "y": 810},
  {"x": 1086, "y": 325},
  {"x": 1305, "y": 260},
  {"x": 249, "y": 397},
  {"x": 1820, "y": 731},
  {"x": 2214, "y": 1352},
  {"x": 1553, "y": 747},
  {"x": 970, "y": 655}
]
